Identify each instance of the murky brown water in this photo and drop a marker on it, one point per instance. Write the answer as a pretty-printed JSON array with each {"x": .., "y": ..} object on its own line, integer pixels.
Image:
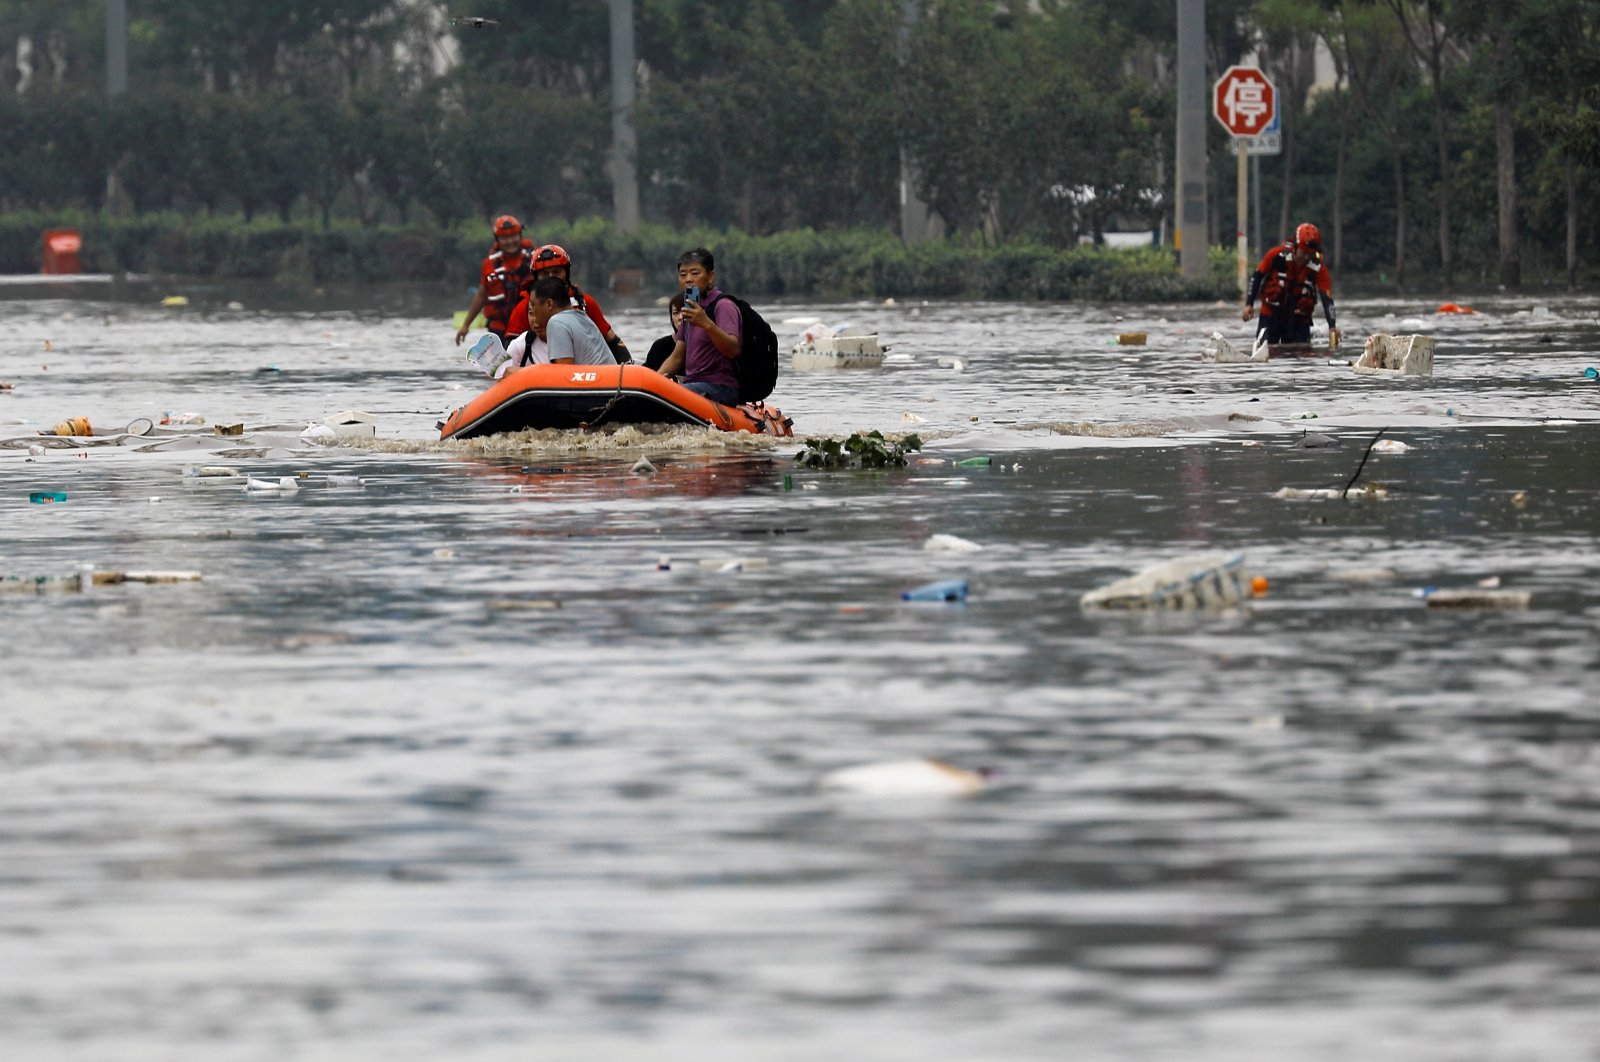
[{"x": 443, "y": 766}]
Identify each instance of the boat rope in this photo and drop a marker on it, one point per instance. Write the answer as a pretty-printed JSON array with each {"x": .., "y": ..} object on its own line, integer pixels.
[{"x": 605, "y": 411}]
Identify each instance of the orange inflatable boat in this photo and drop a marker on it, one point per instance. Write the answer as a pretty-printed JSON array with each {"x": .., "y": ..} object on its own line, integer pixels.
[{"x": 592, "y": 396}]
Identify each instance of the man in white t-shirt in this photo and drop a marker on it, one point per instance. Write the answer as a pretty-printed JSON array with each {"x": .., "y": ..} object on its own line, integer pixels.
[
  {"x": 526, "y": 349},
  {"x": 571, "y": 338}
]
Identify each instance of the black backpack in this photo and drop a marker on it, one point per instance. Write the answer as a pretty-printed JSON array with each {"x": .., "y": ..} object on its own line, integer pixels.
[{"x": 757, "y": 363}]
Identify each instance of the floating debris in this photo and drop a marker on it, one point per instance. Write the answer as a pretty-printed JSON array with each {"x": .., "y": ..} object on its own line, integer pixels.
[
  {"x": 283, "y": 484},
  {"x": 1511, "y": 599},
  {"x": 79, "y": 581},
  {"x": 110, "y": 578},
  {"x": 1396, "y": 356},
  {"x": 944, "y": 590},
  {"x": 523, "y": 604},
  {"x": 1369, "y": 490},
  {"x": 906, "y": 778},
  {"x": 731, "y": 564},
  {"x": 941, "y": 543},
  {"x": 1206, "y": 580}
]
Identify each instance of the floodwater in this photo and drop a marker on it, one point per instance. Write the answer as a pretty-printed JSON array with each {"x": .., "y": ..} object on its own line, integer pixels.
[{"x": 444, "y": 766}]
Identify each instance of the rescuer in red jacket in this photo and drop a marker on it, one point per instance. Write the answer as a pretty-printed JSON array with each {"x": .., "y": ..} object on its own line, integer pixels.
[
  {"x": 503, "y": 279},
  {"x": 1290, "y": 280}
]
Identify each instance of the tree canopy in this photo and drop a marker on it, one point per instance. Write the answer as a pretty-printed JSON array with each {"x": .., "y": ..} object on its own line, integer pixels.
[{"x": 1467, "y": 130}]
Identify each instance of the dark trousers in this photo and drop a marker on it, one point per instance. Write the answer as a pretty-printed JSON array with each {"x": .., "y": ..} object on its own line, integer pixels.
[{"x": 1284, "y": 327}]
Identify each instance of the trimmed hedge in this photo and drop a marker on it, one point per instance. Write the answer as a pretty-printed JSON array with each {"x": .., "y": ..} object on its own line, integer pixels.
[{"x": 853, "y": 263}]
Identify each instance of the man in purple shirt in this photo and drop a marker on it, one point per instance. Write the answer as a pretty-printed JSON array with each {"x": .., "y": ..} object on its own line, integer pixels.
[{"x": 709, "y": 336}]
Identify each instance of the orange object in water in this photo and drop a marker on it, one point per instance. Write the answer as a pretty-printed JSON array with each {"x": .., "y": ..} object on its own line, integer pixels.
[
  {"x": 73, "y": 426},
  {"x": 591, "y": 396},
  {"x": 1258, "y": 586},
  {"x": 61, "y": 247},
  {"x": 1451, "y": 307}
]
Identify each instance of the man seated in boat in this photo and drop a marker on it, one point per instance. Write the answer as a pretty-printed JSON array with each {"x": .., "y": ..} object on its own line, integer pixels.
[
  {"x": 527, "y": 349},
  {"x": 1290, "y": 279},
  {"x": 707, "y": 342},
  {"x": 570, "y": 337},
  {"x": 553, "y": 260}
]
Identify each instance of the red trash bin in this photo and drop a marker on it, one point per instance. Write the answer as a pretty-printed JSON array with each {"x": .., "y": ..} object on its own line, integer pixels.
[{"x": 61, "y": 247}]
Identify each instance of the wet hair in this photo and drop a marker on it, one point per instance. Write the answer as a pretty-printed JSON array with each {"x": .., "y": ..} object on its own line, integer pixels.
[
  {"x": 698, "y": 256},
  {"x": 551, "y": 287}
]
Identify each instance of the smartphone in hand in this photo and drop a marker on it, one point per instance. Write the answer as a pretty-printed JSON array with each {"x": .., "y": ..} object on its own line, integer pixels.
[{"x": 691, "y": 293}]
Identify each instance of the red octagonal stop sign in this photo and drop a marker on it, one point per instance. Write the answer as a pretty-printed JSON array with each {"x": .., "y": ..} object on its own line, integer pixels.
[{"x": 1245, "y": 101}]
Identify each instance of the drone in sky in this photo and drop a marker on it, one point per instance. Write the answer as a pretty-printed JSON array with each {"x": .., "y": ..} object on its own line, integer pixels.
[{"x": 475, "y": 21}]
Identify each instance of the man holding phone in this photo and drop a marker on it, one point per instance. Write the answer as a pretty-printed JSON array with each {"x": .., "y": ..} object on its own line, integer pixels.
[{"x": 709, "y": 334}]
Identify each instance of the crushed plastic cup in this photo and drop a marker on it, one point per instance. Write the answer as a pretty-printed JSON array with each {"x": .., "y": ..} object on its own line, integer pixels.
[{"x": 944, "y": 590}]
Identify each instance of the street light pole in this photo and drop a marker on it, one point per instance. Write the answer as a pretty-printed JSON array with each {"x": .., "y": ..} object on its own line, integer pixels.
[
  {"x": 1191, "y": 198},
  {"x": 116, "y": 84},
  {"x": 116, "y": 47},
  {"x": 624, "y": 137},
  {"x": 918, "y": 222}
]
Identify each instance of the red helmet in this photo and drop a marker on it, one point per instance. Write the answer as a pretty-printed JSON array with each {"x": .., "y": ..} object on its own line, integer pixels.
[
  {"x": 1307, "y": 236},
  {"x": 551, "y": 256},
  {"x": 506, "y": 225}
]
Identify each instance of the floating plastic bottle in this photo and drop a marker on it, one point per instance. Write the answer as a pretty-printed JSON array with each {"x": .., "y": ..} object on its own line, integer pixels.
[
  {"x": 45, "y": 497},
  {"x": 975, "y": 462},
  {"x": 72, "y": 426},
  {"x": 945, "y": 590},
  {"x": 267, "y": 486}
]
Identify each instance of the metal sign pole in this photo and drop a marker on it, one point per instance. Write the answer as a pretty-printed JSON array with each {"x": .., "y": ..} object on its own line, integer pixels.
[
  {"x": 1243, "y": 223},
  {"x": 1256, "y": 240}
]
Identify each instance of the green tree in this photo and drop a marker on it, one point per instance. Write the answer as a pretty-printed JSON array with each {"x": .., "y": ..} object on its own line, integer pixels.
[
  {"x": 1372, "y": 54},
  {"x": 1425, "y": 30}
]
